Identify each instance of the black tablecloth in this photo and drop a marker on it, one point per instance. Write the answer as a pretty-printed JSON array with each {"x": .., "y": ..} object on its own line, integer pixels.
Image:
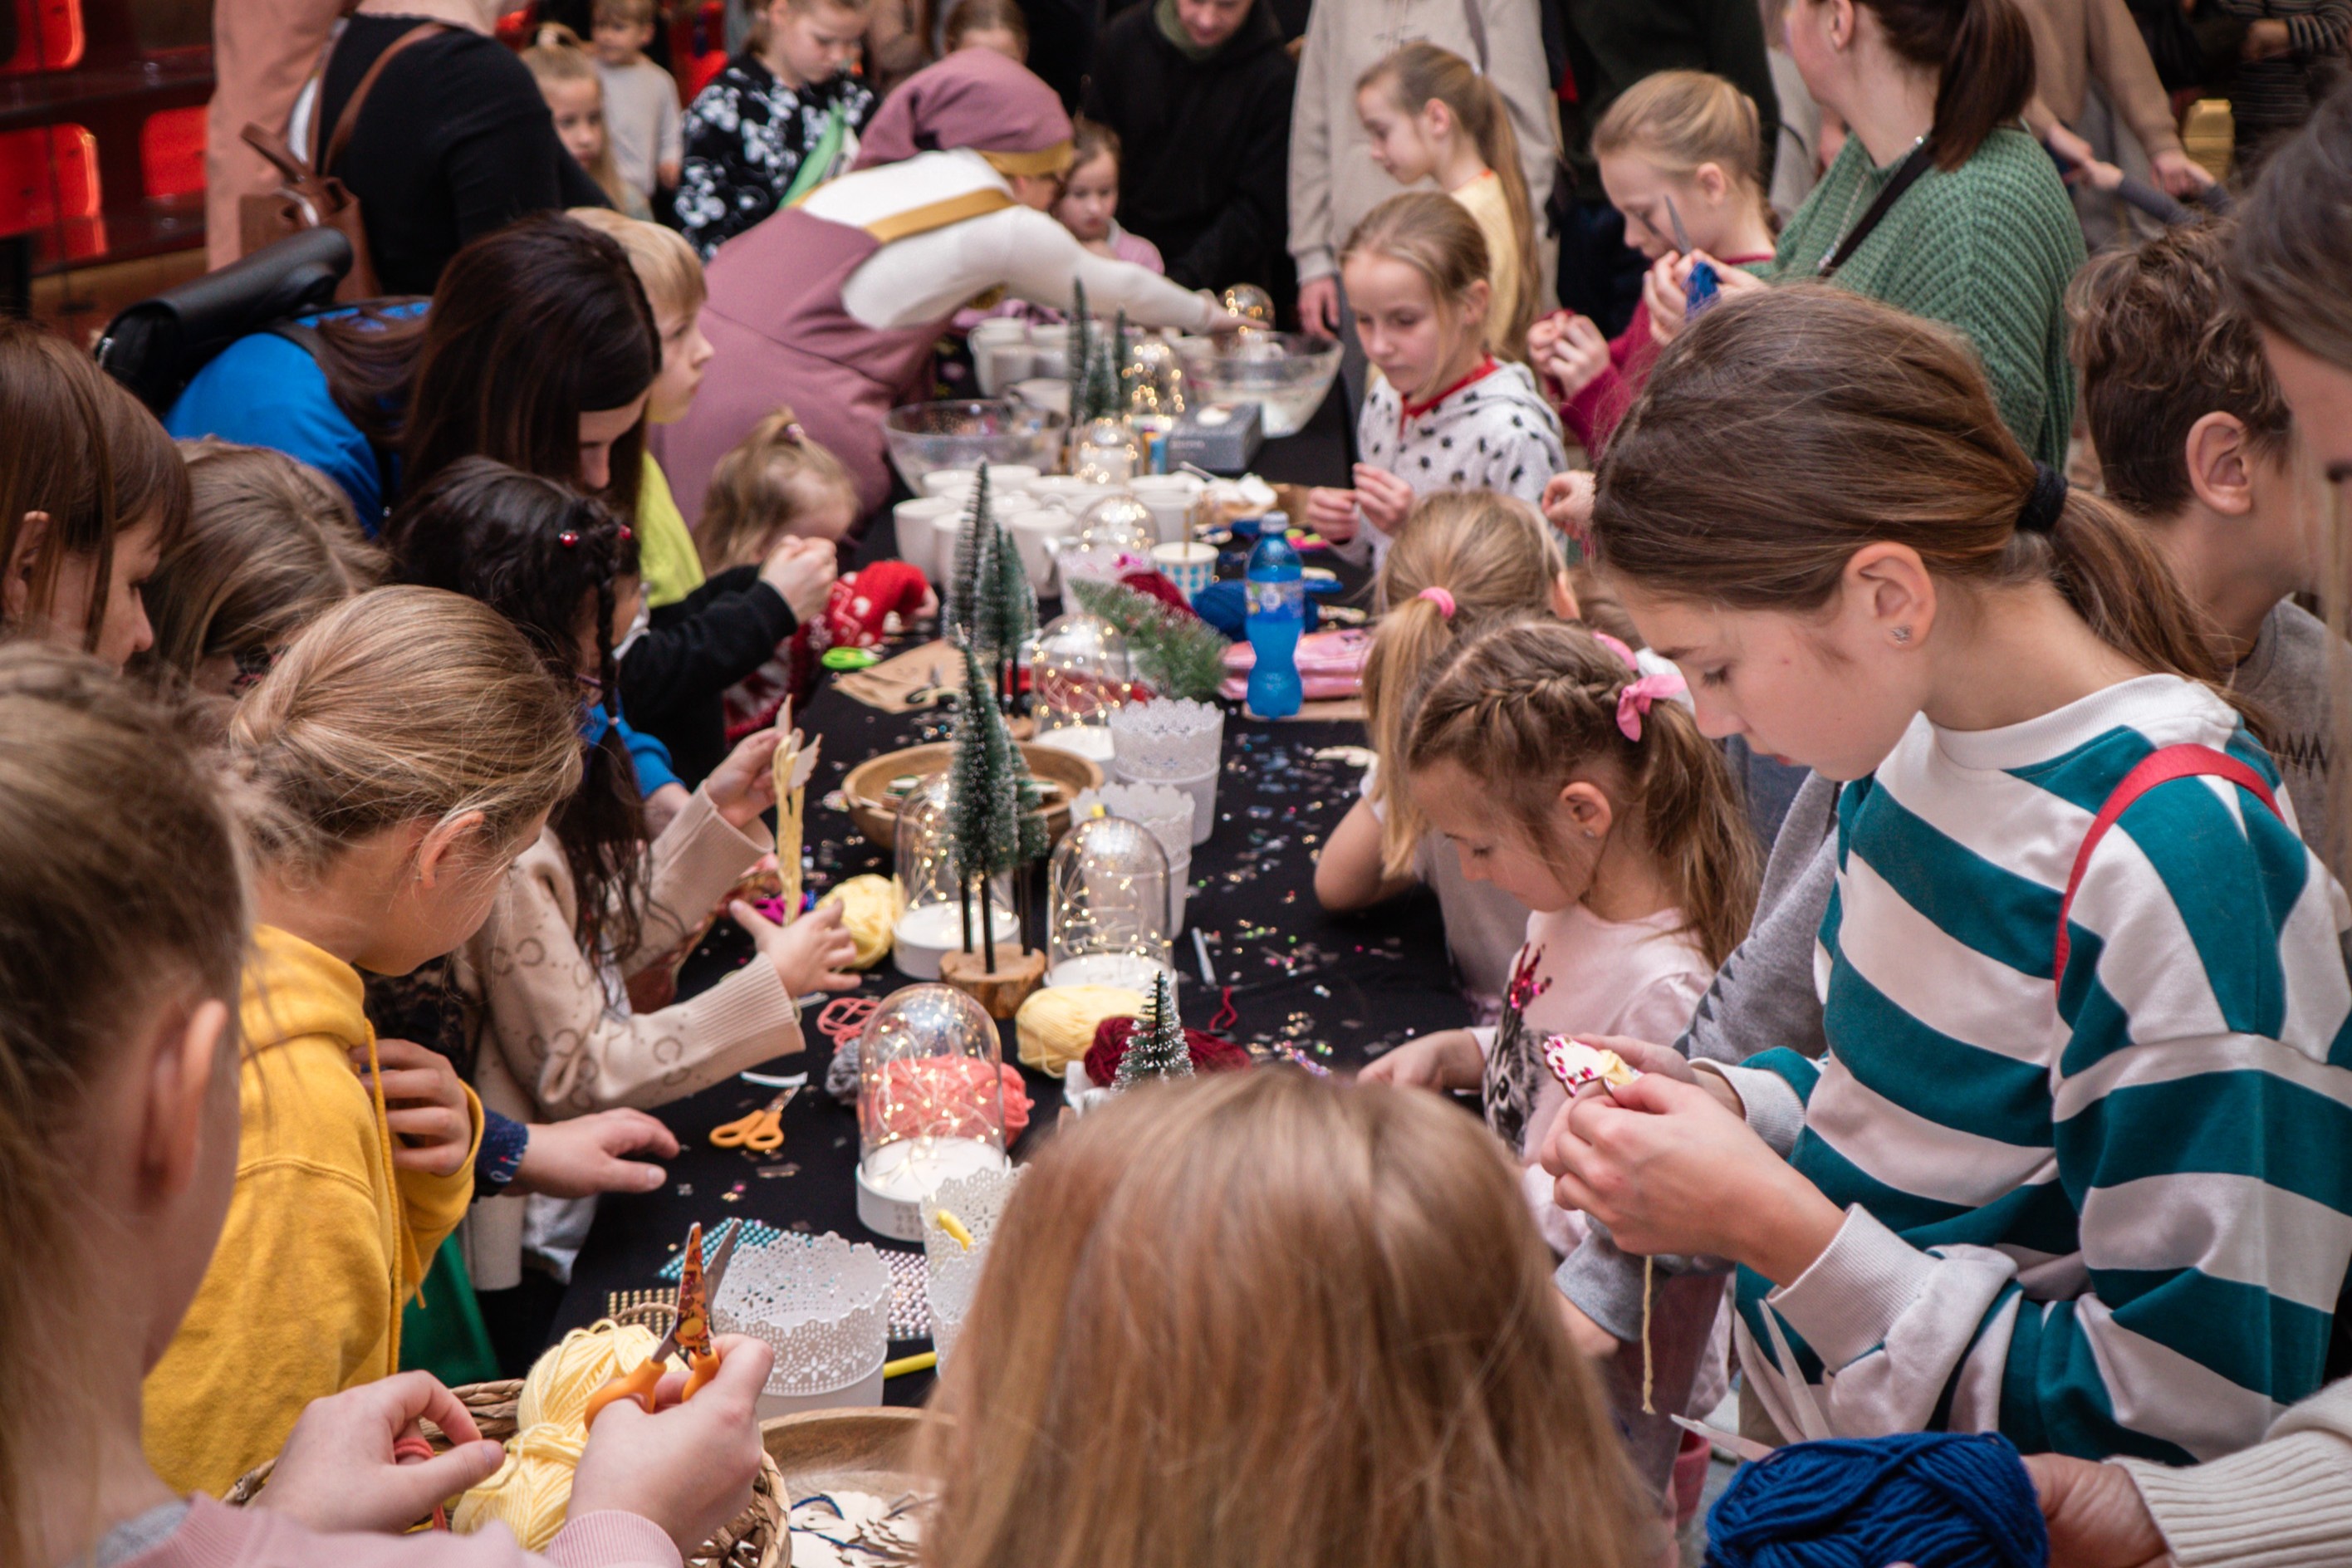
[{"x": 1329, "y": 988}]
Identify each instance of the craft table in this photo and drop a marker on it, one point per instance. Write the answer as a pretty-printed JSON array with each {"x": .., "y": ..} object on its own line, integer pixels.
[{"x": 1327, "y": 987}]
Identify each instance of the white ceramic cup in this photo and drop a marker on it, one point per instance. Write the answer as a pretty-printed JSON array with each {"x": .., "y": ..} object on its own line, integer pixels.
[
  {"x": 1191, "y": 567},
  {"x": 940, "y": 481},
  {"x": 1170, "y": 498},
  {"x": 1034, "y": 532},
  {"x": 922, "y": 523}
]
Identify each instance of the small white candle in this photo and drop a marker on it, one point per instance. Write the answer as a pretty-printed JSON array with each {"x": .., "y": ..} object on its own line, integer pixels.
[{"x": 912, "y": 1169}]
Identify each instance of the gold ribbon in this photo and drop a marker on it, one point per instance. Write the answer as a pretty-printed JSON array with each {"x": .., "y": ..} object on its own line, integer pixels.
[
  {"x": 939, "y": 215},
  {"x": 1054, "y": 160}
]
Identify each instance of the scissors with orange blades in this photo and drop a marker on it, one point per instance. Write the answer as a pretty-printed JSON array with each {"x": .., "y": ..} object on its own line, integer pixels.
[
  {"x": 697, "y": 1285},
  {"x": 762, "y": 1131}
]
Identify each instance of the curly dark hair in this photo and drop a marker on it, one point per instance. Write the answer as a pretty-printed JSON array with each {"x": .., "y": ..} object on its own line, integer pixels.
[{"x": 547, "y": 558}]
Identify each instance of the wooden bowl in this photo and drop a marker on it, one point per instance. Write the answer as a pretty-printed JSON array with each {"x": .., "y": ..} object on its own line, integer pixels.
[
  {"x": 869, "y": 1450},
  {"x": 1065, "y": 775}
]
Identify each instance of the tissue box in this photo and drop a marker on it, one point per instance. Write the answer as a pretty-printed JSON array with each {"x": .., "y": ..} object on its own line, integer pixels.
[{"x": 1223, "y": 437}]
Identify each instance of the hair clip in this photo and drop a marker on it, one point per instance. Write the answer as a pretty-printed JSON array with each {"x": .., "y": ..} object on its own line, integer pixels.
[
  {"x": 627, "y": 533},
  {"x": 569, "y": 538},
  {"x": 1633, "y": 701}
]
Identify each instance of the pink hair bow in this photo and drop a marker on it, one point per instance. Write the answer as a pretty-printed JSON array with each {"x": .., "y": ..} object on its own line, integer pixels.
[{"x": 1633, "y": 701}]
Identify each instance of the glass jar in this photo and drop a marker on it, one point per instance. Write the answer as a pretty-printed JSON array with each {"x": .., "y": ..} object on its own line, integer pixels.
[
  {"x": 930, "y": 1103},
  {"x": 1108, "y": 906},
  {"x": 931, "y": 898}
]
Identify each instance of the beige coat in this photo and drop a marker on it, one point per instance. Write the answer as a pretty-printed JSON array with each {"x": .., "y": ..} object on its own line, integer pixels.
[
  {"x": 2077, "y": 41},
  {"x": 550, "y": 1042},
  {"x": 1333, "y": 180}
]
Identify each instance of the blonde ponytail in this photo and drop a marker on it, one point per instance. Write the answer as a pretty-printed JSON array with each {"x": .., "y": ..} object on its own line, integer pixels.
[
  {"x": 1492, "y": 557},
  {"x": 1420, "y": 73}
]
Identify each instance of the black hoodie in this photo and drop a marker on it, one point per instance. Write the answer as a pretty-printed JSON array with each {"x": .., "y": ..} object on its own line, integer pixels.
[{"x": 1207, "y": 146}]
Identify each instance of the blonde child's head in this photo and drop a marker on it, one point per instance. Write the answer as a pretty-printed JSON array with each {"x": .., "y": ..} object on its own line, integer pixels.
[
  {"x": 806, "y": 42},
  {"x": 1089, "y": 198},
  {"x": 621, "y": 30},
  {"x": 676, "y": 288},
  {"x": 775, "y": 482},
  {"x": 413, "y": 726},
  {"x": 1690, "y": 137},
  {"x": 1465, "y": 559},
  {"x": 997, "y": 25},
  {"x": 1528, "y": 751},
  {"x": 1341, "y": 1312},
  {"x": 271, "y": 544},
  {"x": 1412, "y": 103},
  {"x": 567, "y": 78},
  {"x": 123, "y": 928},
  {"x": 1417, "y": 273}
]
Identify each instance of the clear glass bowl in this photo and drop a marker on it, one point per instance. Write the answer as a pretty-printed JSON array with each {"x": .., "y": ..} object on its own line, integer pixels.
[
  {"x": 1285, "y": 373},
  {"x": 924, "y": 437}
]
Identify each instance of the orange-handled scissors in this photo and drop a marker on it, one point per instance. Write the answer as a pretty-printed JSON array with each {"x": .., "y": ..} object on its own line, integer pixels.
[
  {"x": 762, "y": 1131},
  {"x": 697, "y": 1285}
]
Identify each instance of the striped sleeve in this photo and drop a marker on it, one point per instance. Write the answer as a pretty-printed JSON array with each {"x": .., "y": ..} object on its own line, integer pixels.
[{"x": 2202, "y": 1133}]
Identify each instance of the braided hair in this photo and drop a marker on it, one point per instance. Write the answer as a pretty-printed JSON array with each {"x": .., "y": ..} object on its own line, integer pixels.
[{"x": 1528, "y": 707}]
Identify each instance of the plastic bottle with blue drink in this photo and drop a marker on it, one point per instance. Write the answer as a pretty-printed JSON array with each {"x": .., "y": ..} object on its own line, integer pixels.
[{"x": 1277, "y": 615}]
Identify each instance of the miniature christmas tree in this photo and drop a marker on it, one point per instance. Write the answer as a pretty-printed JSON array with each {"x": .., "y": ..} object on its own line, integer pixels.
[
  {"x": 1156, "y": 1048},
  {"x": 1098, "y": 399},
  {"x": 992, "y": 606},
  {"x": 993, "y": 824},
  {"x": 1077, "y": 353},
  {"x": 1122, "y": 366}
]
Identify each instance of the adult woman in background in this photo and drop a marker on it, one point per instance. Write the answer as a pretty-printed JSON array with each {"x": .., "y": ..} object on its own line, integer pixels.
[
  {"x": 1939, "y": 204},
  {"x": 833, "y": 306},
  {"x": 382, "y": 398},
  {"x": 452, "y": 141}
]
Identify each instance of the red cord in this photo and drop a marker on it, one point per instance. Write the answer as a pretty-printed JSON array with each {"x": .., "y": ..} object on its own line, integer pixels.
[
  {"x": 415, "y": 1451},
  {"x": 1227, "y": 1015},
  {"x": 844, "y": 1017}
]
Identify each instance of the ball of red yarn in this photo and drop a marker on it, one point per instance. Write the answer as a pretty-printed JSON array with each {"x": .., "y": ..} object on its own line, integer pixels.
[{"x": 1209, "y": 1053}]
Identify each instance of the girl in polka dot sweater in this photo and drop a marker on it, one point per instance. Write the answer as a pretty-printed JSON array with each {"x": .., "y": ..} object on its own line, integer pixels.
[{"x": 1444, "y": 415}]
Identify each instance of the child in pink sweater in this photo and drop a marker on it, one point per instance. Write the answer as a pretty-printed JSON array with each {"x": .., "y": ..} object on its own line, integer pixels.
[{"x": 1679, "y": 144}]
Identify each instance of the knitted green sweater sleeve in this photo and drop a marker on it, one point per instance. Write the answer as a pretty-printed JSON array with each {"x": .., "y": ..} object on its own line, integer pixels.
[{"x": 1987, "y": 249}]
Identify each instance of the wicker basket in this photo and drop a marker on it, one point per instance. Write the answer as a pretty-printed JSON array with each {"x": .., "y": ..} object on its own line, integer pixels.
[{"x": 756, "y": 1538}]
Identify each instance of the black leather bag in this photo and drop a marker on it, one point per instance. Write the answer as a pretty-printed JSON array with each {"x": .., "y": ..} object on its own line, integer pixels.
[{"x": 156, "y": 347}]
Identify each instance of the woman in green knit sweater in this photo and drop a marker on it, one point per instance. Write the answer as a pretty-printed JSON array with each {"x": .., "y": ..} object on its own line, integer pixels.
[{"x": 1982, "y": 238}]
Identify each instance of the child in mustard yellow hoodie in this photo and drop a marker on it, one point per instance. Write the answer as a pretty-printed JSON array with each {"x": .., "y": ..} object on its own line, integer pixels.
[{"x": 401, "y": 755}]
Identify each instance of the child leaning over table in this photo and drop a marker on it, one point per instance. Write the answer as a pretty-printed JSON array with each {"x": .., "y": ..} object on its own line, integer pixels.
[
  {"x": 1444, "y": 415},
  {"x": 775, "y": 488},
  {"x": 589, "y": 903},
  {"x": 401, "y": 754},
  {"x": 1585, "y": 790}
]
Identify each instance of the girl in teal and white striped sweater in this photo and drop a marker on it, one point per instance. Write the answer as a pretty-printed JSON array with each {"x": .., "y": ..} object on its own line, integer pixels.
[{"x": 2074, "y": 1166}]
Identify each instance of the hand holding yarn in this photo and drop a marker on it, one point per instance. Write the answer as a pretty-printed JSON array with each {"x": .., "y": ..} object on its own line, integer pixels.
[
  {"x": 337, "y": 1471},
  {"x": 2095, "y": 1515},
  {"x": 1667, "y": 1169},
  {"x": 688, "y": 1466},
  {"x": 1934, "y": 1500}
]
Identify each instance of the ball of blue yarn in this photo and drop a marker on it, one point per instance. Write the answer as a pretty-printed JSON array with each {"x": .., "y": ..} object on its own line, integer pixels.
[{"x": 1935, "y": 1499}]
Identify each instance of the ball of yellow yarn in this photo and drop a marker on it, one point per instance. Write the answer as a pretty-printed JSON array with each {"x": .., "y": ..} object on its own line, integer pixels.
[
  {"x": 530, "y": 1491},
  {"x": 1056, "y": 1024},
  {"x": 870, "y": 908}
]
